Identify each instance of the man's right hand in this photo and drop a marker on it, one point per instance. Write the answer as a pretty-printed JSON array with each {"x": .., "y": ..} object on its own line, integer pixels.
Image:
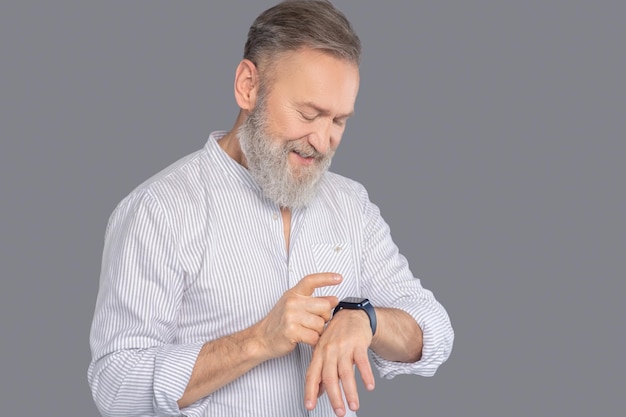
[{"x": 298, "y": 316}]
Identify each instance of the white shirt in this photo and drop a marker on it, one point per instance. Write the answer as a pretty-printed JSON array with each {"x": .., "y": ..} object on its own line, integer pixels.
[{"x": 196, "y": 253}]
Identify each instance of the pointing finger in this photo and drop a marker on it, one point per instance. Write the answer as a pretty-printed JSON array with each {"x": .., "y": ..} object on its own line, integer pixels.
[{"x": 308, "y": 284}]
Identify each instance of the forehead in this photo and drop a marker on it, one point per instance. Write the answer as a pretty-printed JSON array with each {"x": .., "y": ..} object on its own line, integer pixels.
[{"x": 315, "y": 77}]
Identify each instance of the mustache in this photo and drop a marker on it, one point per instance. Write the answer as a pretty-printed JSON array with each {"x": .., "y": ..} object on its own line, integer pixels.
[{"x": 305, "y": 150}]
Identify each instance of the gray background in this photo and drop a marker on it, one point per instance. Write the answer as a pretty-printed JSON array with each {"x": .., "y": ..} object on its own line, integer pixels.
[{"x": 490, "y": 133}]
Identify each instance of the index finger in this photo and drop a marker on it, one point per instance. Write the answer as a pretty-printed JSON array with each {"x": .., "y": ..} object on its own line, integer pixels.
[{"x": 309, "y": 283}]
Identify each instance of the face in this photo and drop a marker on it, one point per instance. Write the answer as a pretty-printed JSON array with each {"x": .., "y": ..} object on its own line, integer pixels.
[{"x": 289, "y": 138}]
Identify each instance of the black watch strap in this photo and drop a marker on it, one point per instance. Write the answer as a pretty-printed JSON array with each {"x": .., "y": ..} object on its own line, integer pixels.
[{"x": 354, "y": 303}]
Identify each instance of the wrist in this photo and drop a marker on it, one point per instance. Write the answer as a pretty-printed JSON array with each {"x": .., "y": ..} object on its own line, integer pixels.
[
  {"x": 362, "y": 304},
  {"x": 358, "y": 315},
  {"x": 258, "y": 346}
]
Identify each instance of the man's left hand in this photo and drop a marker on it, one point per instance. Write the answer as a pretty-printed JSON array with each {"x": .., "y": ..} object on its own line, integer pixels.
[{"x": 343, "y": 344}]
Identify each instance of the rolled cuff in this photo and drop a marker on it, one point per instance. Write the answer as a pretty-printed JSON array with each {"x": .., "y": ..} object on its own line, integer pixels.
[
  {"x": 438, "y": 338},
  {"x": 172, "y": 371}
]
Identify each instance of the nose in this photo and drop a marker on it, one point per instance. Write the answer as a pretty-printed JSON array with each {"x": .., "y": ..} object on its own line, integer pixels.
[{"x": 321, "y": 139}]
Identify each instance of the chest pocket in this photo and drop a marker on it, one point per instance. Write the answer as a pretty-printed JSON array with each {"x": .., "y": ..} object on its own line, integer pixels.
[{"x": 340, "y": 259}]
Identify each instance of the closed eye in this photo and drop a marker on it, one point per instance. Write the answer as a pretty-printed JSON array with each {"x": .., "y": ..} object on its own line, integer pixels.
[
  {"x": 308, "y": 117},
  {"x": 339, "y": 122}
]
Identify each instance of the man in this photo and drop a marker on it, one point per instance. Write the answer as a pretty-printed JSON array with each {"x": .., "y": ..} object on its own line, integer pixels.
[{"x": 220, "y": 274}]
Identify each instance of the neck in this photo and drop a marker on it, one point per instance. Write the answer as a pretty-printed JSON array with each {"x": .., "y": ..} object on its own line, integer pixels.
[{"x": 230, "y": 142}]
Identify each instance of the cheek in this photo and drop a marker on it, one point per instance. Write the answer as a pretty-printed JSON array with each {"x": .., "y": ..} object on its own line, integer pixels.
[
  {"x": 294, "y": 130},
  {"x": 287, "y": 128},
  {"x": 335, "y": 137}
]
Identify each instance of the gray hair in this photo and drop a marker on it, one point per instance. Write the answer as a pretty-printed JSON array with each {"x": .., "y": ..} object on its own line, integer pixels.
[{"x": 295, "y": 24}]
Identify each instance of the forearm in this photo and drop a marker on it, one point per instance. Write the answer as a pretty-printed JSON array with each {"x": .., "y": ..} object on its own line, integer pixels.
[
  {"x": 398, "y": 337},
  {"x": 166, "y": 378},
  {"x": 221, "y": 361}
]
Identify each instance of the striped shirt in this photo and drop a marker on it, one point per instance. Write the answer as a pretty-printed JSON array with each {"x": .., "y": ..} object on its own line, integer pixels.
[{"x": 197, "y": 252}]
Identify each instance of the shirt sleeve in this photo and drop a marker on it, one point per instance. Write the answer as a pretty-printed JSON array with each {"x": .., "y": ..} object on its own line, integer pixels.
[
  {"x": 388, "y": 282},
  {"x": 136, "y": 367}
]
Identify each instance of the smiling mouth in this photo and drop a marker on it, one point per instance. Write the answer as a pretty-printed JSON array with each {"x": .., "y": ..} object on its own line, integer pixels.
[
  {"x": 305, "y": 159},
  {"x": 304, "y": 155}
]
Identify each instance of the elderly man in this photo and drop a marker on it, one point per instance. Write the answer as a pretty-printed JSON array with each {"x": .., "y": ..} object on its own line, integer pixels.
[{"x": 246, "y": 279}]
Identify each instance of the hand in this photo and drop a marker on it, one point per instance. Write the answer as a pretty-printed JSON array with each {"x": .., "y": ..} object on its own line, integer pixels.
[
  {"x": 343, "y": 344},
  {"x": 298, "y": 316}
]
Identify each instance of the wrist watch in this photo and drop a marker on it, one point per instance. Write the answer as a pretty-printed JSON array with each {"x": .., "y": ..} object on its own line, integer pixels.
[{"x": 355, "y": 303}]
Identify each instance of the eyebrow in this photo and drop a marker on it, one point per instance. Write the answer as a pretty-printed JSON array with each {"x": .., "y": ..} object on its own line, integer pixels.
[{"x": 325, "y": 112}]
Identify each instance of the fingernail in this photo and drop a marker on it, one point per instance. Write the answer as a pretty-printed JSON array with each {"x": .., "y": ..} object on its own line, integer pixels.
[
  {"x": 339, "y": 412},
  {"x": 353, "y": 406},
  {"x": 337, "y": 277},
  {"x": 370, "y": 387},
  {"x": 308, "y": 405}
]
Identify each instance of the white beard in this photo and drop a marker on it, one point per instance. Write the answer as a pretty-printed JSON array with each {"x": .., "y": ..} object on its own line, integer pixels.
[{"x": 268, "y": 162}]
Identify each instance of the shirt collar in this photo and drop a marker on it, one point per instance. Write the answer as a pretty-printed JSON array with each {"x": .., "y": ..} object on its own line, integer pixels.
[{"x": 227, "y": 164}]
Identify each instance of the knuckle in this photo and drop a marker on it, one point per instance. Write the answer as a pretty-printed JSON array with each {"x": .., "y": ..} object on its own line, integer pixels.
[
  {"x": 361, "y": 360},
  {"x": 314, "y": 339},
  {"x": 290, "y": 327},
  {"x": 329, "y": 380},
  {"x": 345, "y": 372},
  {"x": 290, "y": 302},
  {"x": 312, "y": 377},
  {"x": 319, "y": 324},
  {"x": 329, "y": 349}
]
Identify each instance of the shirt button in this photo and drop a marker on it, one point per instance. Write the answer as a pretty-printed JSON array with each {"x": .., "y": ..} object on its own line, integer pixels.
[
  {"x": 337, "y": 249},
  {"x": 275, "y": 216}
]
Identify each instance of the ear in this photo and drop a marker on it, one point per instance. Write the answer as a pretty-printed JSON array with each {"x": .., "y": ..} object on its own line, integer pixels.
[{"x": 246, "y": 84}]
